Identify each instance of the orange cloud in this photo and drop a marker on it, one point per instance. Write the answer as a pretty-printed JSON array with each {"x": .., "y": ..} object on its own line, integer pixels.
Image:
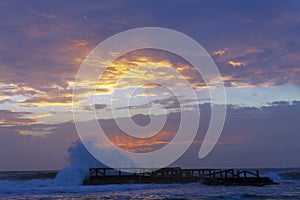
[
  {"x": 132, "y": 144},
  {"x": 134, "y": 69},
  {"x": 49, "y": 101},
  {"x": 236, "y": 64},
  {"x": 39, "y": 116},
  {"x": 220, "y": 52},
  {"x": 146, "y": 95},
  {"x": 79, "y": 43},
  {"x": 13, "y": 118}
]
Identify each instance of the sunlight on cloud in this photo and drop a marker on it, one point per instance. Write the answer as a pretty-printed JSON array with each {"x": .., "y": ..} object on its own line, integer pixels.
[
  {"x": 241, "y": 85},
  {"x": 141, "y": 145},
  {"x": 146, "y": 95},
  {"x": 133, "y": 81},
  {"x": 220, "y": 52},
  {"x": 39, "y": 116},
  {"x": 236, "y": 64},
  {"x": 80, "y": 43}
]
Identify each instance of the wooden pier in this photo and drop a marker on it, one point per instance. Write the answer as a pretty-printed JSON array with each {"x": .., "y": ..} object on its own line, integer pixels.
[{"x": 101, "y": 176}]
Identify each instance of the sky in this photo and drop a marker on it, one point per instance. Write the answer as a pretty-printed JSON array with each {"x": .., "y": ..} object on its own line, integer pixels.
[{"x": 255, "y": 45}]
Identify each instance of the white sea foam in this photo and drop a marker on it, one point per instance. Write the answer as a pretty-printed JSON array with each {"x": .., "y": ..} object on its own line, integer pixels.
[
  {"x": 273, "y": 175},
  {"x": 39, "y": 189},
  {"x": 283, "y": 175},
  {"x": 72, "y": 175},
  {"x": 67, "y": 185}
]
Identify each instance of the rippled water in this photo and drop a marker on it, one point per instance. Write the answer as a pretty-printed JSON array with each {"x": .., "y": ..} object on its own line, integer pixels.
[{"x": 44, "y": 185}]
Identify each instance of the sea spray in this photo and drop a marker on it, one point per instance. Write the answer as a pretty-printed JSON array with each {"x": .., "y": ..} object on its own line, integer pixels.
[
  {"x": 78, "y": 155},
  {"x": 281, "y": 175},
  {"x": 40, "y": 188},
  {"x": 80, "y": 160},
  {"x": 72, "y": 175}
]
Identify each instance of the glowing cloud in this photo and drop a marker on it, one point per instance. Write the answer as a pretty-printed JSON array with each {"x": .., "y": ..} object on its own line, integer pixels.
[
  {"x": 236, "y": 64},
  {"x": 220, "y": 52},
  {"x": 146, "y": 95}
]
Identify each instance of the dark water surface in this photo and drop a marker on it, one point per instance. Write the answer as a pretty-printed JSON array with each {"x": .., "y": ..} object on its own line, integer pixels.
[{"x": 66, "y": 185}]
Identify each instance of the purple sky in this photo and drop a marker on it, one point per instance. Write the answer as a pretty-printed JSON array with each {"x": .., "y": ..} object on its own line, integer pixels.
[{"x": 255, "y": 45}]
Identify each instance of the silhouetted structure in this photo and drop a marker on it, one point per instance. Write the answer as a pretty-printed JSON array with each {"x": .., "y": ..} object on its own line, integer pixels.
[{"x": 99, "y": 176}]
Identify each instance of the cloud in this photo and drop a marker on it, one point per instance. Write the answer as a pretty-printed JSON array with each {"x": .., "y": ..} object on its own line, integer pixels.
[
  {"x": 12, "y": 118},
  {"x": 236, "y": 64},
  {"x": 63, "y": 47},
  {"x": 43, "y": 45},
  {"x": 146, "y": 95},
  {"x": 252, "y": 137},
  {"x": 40, "y": 116},
  {"x": 170, "y": 102},
  {"x": 46, "y": 101},
  {"x": 44, "y": 15},
  {"x": 34, "y": 152},
  {"x": 220, "y": 52},
  {"x": 100, "y": 106}
]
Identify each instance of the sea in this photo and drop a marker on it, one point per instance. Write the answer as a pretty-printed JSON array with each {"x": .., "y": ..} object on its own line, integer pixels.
[{"x": 66, "y": 184}]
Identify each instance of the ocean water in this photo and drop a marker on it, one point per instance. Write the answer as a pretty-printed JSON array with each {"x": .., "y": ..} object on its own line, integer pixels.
[{"x": 67, "y": 185}]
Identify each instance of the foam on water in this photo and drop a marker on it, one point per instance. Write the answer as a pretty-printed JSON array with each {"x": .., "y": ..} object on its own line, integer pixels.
[
  {"x": 283, "y": 175},
  {"x": 67, "y": 185},
  {"x": 72, "y": 175},
  {"x": 273, "y": 175}
]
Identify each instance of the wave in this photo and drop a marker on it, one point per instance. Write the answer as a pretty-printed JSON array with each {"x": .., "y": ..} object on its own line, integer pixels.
[
  {"x": 269, "y": 196},
  {"x": 69, "y": 176},
  {"x": 283, "y": 175},
  {"x": 36, "y": 187},
  {"x": 295, "y": 175},
  {"x": 27, "y": 175},
  {"x": 73, "y": 176}
]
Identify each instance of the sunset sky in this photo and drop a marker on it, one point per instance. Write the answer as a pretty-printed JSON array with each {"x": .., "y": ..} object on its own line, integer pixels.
[{"x": 255, "y": 45}]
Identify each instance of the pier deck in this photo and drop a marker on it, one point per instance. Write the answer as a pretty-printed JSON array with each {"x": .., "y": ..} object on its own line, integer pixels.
[{"x": 100, "y": 176}]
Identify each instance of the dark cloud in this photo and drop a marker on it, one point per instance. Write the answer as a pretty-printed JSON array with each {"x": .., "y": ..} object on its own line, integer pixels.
[
  {"x": 145, "y": 105},
  {"x": 100, "y": 106},
  {"x": 141, "y": 120},
  {"x": 6, "y": 101},
  {"x": 136, "y": 144},
  {"x": 42, "y": 45},
  {"x": 11, "y": 118},
  {"x": 38, "y": 47},
  {"x": 28, "y": 152},
  {"x": 49, "y": 100},
  {"x": 95, "y": 107},
  {"x": 252, "y": 137},
  {"x": 171, "y": 103}
]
